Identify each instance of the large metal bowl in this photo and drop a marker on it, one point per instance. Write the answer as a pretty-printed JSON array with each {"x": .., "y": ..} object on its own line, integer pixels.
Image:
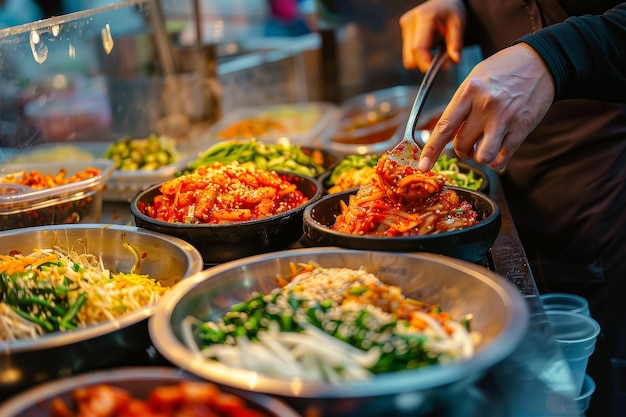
[
  {"x": 499, "y": 310},
  {"x": 469, "y": 244},
  {"x": 225, "y": 242},
  {"x": 138, "y": 381},
  {"x": 28, "y": 361}
]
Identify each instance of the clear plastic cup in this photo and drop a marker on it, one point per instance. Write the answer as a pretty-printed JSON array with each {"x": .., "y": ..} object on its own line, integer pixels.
[
  {"x": 584, "y": 399},
  {"x": 576, "y": 334},
  {"x": 565, "y": 302}
]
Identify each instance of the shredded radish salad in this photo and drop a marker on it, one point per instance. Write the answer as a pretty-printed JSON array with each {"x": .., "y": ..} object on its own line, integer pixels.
[{"x": 331, "y": 325}]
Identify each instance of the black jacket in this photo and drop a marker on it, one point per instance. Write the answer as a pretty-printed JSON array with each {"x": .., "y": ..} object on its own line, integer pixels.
[{"x": 586, "y": 55}]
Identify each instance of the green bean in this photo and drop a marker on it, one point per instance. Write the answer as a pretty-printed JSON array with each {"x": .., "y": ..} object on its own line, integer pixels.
[
  {"x": 30, "y": 301},
  {"x": 73, "y": 311},
  {"x": 265, "y": 156},
  {"x": 47, "y": 326}
]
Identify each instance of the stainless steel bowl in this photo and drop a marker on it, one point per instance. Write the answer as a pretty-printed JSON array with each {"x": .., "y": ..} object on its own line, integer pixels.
[
  {"x": 26, "y": 362},
  {"x": 499, "y": 310},
  {"x": 139, "y": 381}
]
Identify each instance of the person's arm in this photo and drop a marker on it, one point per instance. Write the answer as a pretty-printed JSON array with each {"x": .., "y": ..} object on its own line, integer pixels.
[
  {"x": 506, "y": 95},
  {"x": 586, "y": 55},
  {"x": 494, "y": 109}
]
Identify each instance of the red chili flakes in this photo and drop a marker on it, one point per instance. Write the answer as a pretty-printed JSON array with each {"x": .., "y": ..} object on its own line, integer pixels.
[{"x": 224, "y": 194}]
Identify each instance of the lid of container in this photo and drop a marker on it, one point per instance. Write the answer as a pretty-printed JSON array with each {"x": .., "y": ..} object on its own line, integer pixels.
[{"x": 14, "y": 195}]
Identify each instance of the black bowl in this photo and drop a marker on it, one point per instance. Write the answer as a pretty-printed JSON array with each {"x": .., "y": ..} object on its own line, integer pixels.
[
  {"x": 218, "y": 243},
  {"x": 470, "y": 244}
]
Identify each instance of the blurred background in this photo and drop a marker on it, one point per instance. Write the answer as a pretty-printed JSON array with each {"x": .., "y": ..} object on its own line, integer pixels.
[{"x": 95, "y": 70}]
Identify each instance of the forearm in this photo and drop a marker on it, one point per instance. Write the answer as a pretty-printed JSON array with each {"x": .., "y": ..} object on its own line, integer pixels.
[{"x": 586, "y": 55}]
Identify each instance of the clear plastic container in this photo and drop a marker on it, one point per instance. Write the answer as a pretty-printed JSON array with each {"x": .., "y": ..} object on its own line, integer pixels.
[
  {"x": 301, "y": 123},
  {"x": 584, "y": 399},
  {"x": 75, "y": 202},
  {"x": 122, "y": 185}
]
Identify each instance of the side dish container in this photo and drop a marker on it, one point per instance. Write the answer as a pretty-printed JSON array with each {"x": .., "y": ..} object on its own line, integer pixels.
[
  {"x": 301, "y": 123},
  {"x": 74, "y": 202},
  {"x": 500, "y": 316}
]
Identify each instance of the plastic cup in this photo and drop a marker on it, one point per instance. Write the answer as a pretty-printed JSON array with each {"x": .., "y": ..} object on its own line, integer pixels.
[
  {"x": 576, "y": 334},
  {"x": 565, "y": 302},
  {"x": 584, "y": 399}
]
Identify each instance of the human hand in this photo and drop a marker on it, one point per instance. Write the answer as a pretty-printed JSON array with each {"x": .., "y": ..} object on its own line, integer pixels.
[
  {"x": 494, "y": 109},
  {"x": 423, "y": 25}
]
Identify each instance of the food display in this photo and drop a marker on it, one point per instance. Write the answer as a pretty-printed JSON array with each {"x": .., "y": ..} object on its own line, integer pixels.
[
  {"x": 301, "y": 123},
  {"x": 471, "y": 243},
  {"x": 281, "y": 156},
  {"x": 356, "y": 170},
  {"x": 332, "y": 325},
  {"x": 180, "y": 399},
  {"x": 53, "y": 289},
  {"x": 141, "y": 391},
  {"x": 366, "y": 127},
  {"x": 224, "y": 193},
  {"x": 404, "y": 202},
  {"x": 77, "y": 297},
  {"x": 42, "y": 193},
  {"x": 351, "y": 172},
  {"x": 229, "y": 211},
  {"x": 371, "y": 122},
  {"x": 151, "y": 153},
  {"x": 38, "y": 180},
  {"x": 312, "y": 327},
  {"x": 370, "y": 212}
]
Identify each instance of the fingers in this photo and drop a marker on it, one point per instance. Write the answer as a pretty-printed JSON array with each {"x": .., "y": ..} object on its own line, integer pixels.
[
  {"x": 453, "y": 36},
  {"x": 425, "y": 24},
  {"x": 494, "y": 109},
  {"x": 445, "y": 130},
  {"x": 417, "y": 39}
]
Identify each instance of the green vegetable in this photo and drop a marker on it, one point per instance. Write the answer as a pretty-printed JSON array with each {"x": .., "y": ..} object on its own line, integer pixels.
[
  {"x": 278, "y": 156},
  {"x": 450, "y": 169},
  {"x": 445, "y": 166},
  {"x": 350, "y": 162},
  {"x": 147, "y": 154},
  {"x": 289, "y": 311},
  {"x": 39, "y": 301}
]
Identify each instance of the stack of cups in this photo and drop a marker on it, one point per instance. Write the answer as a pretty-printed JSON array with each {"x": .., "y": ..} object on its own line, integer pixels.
[{"x": 576, "y": 333}]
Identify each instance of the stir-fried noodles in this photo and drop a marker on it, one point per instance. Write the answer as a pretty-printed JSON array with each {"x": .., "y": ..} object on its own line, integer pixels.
[
  {"x": 53, "y": 290},
  {"x": 331, "y": 325}
]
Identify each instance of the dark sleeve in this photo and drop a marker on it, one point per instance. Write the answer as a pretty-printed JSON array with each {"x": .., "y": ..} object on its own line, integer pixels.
[{"x": 586, "y": 55}]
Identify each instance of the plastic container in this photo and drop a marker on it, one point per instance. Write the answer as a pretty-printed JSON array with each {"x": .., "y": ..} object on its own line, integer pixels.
[
  {"x": 584, "y": 399},
  {"x": 75, "y": 202},
  {"x": 301, "y": 123},
  {"x": 565, "y": 302},
  {"x": 576, "y": 334},
  {"x": 122, "y": 186}
]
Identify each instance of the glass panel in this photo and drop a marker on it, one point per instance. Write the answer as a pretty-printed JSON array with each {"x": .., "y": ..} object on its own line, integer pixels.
[{"x": 98, "y": 75}]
